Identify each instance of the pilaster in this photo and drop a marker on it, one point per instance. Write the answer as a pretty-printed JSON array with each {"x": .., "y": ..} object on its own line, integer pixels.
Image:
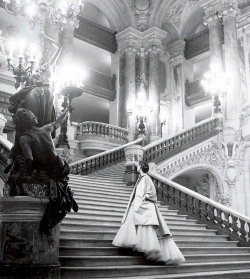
[{"x": 176, "y": 51}]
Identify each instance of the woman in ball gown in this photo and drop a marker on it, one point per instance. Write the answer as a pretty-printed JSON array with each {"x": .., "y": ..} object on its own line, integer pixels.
[{"x": 143, "y": 227}]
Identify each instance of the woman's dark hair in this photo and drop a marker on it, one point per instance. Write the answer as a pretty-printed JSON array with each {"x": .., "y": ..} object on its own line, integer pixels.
[{"x": 144, "y": 166}]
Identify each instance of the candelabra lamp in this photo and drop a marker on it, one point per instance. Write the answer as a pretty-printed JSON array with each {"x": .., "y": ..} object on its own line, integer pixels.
[
  {"x": 214, "y": 83},
  {"x": 141, "y": 126},
  {"x": 68, "y": 83},
  {"x": 22, "y": 59},
  {"x": 22, "y": 71},
  {"x": 68, "y": 93}
]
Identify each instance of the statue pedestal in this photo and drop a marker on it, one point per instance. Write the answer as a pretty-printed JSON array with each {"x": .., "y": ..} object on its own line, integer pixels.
[
  {"x": 24, "y": 251},
  {"x": 133, "y": 154}
]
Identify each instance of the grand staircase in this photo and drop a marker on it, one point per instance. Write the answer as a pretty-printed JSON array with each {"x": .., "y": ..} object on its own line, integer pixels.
[{"x": 86, "y": 236}]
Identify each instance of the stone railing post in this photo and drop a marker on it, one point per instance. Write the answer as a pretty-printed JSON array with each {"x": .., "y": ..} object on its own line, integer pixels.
[
  {"x": 3, "y": 121},
  {"x": 133, "y": 154},
  {"x": 24, "y": 251}
]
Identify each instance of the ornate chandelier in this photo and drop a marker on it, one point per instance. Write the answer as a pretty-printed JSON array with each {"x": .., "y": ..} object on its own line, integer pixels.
[{"x": 59, "y": 11}]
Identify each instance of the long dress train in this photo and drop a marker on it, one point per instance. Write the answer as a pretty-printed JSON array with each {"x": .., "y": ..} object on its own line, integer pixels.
[{"x": 144, "y": 238}]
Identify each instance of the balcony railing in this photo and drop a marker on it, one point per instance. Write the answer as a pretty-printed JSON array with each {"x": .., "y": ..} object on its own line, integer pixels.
[
  {"x": 198, "y": 44},
  {"x": 217, "y": 216},
  {"x": 195, "y": 93},
  {"x": 165, "y": 148},
  {"x": 102, "y": 130}
]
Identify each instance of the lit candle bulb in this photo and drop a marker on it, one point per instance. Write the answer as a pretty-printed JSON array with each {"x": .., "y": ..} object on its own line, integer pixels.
[
  {"x": 21, "y": 44},
  {"x": 11, "y": 47},
  {"x": 32, "y": 51}
]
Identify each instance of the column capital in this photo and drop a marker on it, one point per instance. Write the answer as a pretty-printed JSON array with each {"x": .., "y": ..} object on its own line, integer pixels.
[
  {"x": 229, "y": 9},
  {"x": 153, "y": 40},
  {"x": 176, "y": 48},
  {"x": 211, "y": 17},
  {"x": 129, "y": 39},
  {"x": 177, "y": 60}
]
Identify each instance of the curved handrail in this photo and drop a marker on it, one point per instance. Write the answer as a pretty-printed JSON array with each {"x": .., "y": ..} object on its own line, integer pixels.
[
  {"x": 167, "y": 147},
  {"x": 100, "y": 160},
  {"x": 200, "y": 207}
]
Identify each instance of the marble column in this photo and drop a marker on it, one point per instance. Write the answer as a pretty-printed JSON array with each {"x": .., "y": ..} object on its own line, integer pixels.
[
  {"x": 129, "y": 121},
  {"x": 153, "y": 41},
  {"x": 232, "y": 63},
  {"x": 215, "y": 45},
  {"x": 154, "y": 94},
  {"x": 215, "y": 37},
  {"x": 176, "y": 51}
]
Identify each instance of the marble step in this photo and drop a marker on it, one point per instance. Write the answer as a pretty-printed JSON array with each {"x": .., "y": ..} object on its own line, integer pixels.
[
  {"x": 88, "y": 206},
  {"x": 83, "y": 212},
  {"x": 146, "y": 270},
  {"x": 102, "y": 215},
  {"x": 79, "y": 223},
  {"x": 84, "y": 225},
  {"x": 90, "y": 261},
  {"x": 99, "y": 180},
  {"x": 100, "y": 186},
  {"x": 93, "y": 261},
  {"x": 76, "y": 234},
  {"x": 114, "y": 251},
  {"x": 231, "y": 274},
  {"x": 101, "y": 196},
  {"x": 93, "y": 191},
  {"x": 98, "y": 226},
  {"x": 93, "y": 242}
]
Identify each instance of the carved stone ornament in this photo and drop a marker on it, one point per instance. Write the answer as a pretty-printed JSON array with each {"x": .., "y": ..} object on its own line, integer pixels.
[
  {"x": 220, "y": 155},
  {"x": 142, "y": 5}
]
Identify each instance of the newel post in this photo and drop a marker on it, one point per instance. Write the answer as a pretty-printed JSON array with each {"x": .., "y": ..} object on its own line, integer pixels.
[
  {"x": 133, "y": 153},
  {"x": 24, "y": 251}
]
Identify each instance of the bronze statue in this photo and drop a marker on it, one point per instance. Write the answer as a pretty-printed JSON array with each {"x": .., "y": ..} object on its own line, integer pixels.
[{"x": 35, "y": 161}]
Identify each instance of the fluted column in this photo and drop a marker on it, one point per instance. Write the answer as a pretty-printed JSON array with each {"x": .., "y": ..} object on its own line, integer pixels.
[
  {"x": 176, "y": 51},
  {"x": 153, "y": 42},
  {"x": 129, "y": 42},
  {"x": 232, "y": 63},
  {"x": 154, "y": 94}
]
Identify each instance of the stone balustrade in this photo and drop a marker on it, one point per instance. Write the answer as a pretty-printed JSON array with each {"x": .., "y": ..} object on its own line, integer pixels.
[
  {"x": 165, "y": 148},
  {"x": 98, "y": 129},
  {"x": 101, "y": 160},
  {"x": 216, "y": 215}
]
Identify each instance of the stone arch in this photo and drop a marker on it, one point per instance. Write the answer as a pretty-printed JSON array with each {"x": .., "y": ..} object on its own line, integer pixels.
[
  {"x": 191, "y": 24},
  {"x": 118, "y": 13},
  {"x": 213, "y": 170}
]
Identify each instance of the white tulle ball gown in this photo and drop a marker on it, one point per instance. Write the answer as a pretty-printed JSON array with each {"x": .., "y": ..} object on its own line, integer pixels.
[{"x": 144, "y": 229}]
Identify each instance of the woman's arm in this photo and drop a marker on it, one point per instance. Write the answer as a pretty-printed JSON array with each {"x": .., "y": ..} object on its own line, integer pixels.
[{"x": 139, "y": 193}]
